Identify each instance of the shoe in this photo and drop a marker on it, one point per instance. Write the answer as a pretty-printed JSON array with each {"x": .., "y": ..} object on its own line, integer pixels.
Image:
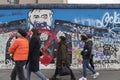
[
  {"x": 83, "y": 78},
  {"x": 96, "y": 75}
]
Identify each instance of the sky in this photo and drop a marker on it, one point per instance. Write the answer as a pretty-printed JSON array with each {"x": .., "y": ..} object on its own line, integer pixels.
[{"x": 94, "y": 1}]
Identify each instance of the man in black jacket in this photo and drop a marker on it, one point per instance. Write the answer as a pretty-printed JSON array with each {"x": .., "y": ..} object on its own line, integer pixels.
[
  {"x": 92, "y": 53},
  {"x": 86, "y": 54}
]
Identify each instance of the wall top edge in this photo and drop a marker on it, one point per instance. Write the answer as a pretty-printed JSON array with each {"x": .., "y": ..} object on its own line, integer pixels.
[{"x": 62, "y": 6}]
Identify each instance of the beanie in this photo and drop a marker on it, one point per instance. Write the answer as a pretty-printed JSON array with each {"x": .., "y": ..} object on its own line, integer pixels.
[{"x": 22, "y": 32}]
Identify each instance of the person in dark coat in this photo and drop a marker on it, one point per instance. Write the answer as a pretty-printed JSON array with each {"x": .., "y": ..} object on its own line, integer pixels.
[
  {"x": 33, "y": 58},
  {"x": 86, "y": 54},
  {"x": 62, "y": 58},
  {"x": 92, "y": 53}
]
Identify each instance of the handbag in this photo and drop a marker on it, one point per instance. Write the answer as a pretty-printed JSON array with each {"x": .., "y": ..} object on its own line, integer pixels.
[{"x": 63, "y": 70}]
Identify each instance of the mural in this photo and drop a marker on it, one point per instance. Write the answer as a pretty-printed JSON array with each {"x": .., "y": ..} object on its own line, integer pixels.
[{"x": 103, "y": 24}]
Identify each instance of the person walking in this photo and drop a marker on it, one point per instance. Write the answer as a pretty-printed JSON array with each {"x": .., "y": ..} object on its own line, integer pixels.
[
  {"x": 62, "y": 58},
  {"x": 92, "y": 52},
  {"x": 19, "y": 50},
  {"x": 86, "y": 54},
  {"x": 34, "y": 55}
]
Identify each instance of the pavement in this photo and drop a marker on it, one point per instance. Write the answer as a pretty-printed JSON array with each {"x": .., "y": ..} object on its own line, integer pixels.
[{"x": 104, "y": 74}]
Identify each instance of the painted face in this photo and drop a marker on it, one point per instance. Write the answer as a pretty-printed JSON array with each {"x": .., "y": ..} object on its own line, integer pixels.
[{"x": 39, "y": 17}]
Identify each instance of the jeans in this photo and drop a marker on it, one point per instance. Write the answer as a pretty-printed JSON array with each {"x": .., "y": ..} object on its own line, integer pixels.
[
  {"x": 18, "y": 70},
  {"x": 38, "y": 73},
  {"x": 85, "y": 66},
  {"x": 91, "y": 62}
]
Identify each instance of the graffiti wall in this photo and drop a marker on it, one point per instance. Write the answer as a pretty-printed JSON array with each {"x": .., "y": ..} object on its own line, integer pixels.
[{"x": 102, "y": 24}]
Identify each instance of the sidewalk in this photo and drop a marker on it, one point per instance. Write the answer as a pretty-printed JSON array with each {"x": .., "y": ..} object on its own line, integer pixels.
[{"x": 104, "y": 75}]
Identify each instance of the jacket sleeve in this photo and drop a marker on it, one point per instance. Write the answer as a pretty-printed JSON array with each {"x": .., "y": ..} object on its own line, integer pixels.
[
  {"x": 32, "y": 44},
  {"x": 13, "y": 47},
  {"x": 89, "y": 46}
]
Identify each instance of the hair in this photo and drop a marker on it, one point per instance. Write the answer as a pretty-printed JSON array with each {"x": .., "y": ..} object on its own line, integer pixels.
[
  {"x": 84, "y": 37},
  {"x": 62, "y": 41},
  {"x": 62, "y": 38}
]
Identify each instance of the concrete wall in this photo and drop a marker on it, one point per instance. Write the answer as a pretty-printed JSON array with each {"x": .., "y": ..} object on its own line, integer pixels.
[
  {"x": 52, "y": 1},
  {"x": 35, "y": 1},
  {"x": 3, "y": 2},
  {"x": 69, "y": 21},
  {"x": 27, "y": 1}
]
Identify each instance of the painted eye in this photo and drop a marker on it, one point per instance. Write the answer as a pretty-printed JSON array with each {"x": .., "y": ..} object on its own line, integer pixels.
[
  {"x": 36, "y": 16},
  {"x": 44, "y": 16}
]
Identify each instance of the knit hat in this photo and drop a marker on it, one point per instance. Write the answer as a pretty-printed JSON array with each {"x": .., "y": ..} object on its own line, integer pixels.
[{"x": 22, "y": 32}]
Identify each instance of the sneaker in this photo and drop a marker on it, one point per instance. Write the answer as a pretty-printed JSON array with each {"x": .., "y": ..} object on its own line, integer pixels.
[
  {"x": 83, "y": 78},
  {"x": 96, "y": 75}
]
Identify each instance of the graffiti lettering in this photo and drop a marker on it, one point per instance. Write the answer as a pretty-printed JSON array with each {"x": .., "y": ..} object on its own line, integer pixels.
[
  {"x": 109, "y": 50},
  {"x": 102, "y": 56},
  {"x": 38, "y": 24},
  {"x": 110, "y": 19},
  {"x": 77, "y": 43},
  {"x": 106, "y": 19},
  {"x": 105, "y": 63}
]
